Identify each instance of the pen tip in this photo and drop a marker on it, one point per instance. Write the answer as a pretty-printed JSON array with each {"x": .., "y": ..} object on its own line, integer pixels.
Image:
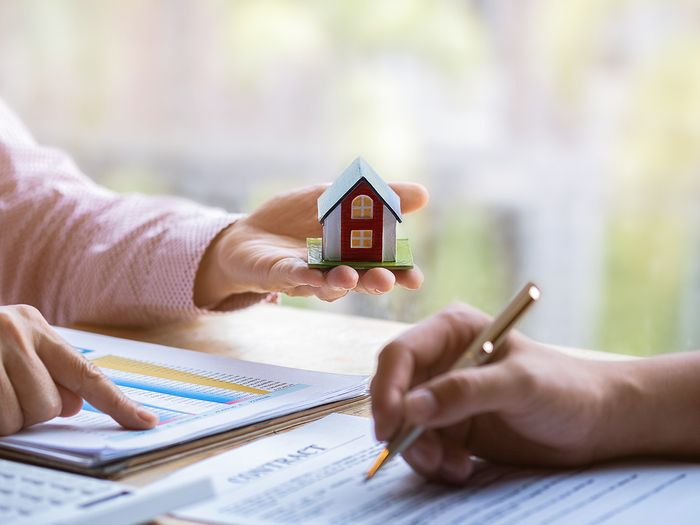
[{"x": 377, "y": 463}]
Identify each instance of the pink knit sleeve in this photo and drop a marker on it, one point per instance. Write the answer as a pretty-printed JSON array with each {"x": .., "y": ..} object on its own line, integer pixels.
[{"x": 81, "y": 253}]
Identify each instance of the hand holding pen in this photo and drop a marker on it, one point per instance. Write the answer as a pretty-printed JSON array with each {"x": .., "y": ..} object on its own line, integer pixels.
[
  {"x": 530, "y": 405},
  {"x": 481, "y": 350}
]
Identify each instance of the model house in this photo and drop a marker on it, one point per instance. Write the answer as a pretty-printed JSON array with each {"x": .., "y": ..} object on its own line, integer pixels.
[{"x": 359, "y": 213}]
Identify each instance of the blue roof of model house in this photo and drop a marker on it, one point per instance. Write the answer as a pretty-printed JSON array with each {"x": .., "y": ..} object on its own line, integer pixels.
[{"x": 358, "y": 170}]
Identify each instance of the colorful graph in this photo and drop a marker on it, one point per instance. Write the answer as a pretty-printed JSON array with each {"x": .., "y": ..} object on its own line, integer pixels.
[
  {"x": 164, "y": 415},
  {"x": 133, "y": 366},
  {"x": 175, "y": 394}
]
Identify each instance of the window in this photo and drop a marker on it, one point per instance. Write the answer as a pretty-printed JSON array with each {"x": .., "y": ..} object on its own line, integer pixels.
[
  {"x": 362, "y": 207},
  {"x": 361, "y": 239}
]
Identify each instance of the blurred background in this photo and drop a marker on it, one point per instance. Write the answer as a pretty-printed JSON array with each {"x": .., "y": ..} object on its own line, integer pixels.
[{"x": 560, "y": 139}]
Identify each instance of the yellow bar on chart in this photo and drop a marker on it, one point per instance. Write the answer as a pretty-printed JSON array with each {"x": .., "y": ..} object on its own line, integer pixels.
[{"x": 133, "y": 366}]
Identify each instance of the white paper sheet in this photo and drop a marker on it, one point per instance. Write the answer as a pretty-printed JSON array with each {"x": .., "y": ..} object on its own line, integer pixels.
[
  {"x": 194, "y": 394},
  {"x": 314, "y": 475}
]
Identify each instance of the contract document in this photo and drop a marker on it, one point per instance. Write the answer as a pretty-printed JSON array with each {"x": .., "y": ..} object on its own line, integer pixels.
[
  {"x": 315, "y": 474},
  {"x": 194, "y": 395}
]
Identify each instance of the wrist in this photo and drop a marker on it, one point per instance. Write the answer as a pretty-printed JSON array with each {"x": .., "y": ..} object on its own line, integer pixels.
[
  {"x": 625, "y": 427},
  {"x": 212, "y": 285}
]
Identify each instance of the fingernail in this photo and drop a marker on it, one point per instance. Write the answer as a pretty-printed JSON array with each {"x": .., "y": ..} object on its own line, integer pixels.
[
  {"x": 454, "y": 470},
  {"x": 419, "y": 457},
  {"x": 421, "y": 404},
  {"x": 145, "y": 415}
]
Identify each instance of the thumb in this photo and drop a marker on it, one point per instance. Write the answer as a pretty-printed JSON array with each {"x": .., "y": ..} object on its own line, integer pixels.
[
  {"x": 413, "y": 196},
  {"x": 460, "y": 394}
]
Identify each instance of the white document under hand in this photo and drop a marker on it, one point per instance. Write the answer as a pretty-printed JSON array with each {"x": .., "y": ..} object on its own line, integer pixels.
[
  {"x": 315, "y": 474},
  {"x": 192, "y": 393}
]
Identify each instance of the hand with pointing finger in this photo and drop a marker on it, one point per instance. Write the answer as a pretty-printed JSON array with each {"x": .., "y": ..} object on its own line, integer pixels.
[{"x": 42, "y": 377}]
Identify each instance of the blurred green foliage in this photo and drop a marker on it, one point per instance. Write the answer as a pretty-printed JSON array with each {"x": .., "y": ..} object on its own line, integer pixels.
[{"x": 645, "y": 275}]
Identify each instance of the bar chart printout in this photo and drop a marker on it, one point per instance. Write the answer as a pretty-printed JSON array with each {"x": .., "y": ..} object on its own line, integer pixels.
[
  {"x": 193, "y": 394},
  {"x": 176, "y": 394}
]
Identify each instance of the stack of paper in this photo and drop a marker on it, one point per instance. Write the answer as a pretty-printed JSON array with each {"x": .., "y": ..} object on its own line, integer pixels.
[{"x": 194, "y": 395}]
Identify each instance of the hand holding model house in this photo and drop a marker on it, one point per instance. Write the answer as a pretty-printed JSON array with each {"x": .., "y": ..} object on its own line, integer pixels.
[{"x": 267, "y": 250}]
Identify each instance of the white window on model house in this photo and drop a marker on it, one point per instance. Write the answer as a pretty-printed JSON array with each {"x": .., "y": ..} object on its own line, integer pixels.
[
  {"x": 362, "y": 207},
  {"x": 361, "y": 239}
]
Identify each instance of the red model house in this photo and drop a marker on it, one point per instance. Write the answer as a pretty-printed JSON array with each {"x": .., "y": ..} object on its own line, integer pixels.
[{"x": 359, "y": 213}]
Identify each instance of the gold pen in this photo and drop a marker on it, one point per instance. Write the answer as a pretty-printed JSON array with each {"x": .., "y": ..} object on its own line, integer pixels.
[{"x": 479, "y": 352}]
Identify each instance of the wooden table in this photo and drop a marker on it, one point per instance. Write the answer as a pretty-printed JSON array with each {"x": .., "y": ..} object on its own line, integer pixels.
[{"x": 279, "y": 335}]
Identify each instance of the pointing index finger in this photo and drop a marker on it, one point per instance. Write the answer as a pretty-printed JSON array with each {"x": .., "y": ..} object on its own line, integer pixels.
[{"x": 77, "y": 374}]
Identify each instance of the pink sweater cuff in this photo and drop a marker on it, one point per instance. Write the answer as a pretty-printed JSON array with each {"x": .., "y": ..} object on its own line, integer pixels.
[{"x": 170, "y": 287}]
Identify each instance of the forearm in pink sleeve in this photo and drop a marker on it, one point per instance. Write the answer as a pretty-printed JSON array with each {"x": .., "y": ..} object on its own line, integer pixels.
[{"x": 81, "y": 253}]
